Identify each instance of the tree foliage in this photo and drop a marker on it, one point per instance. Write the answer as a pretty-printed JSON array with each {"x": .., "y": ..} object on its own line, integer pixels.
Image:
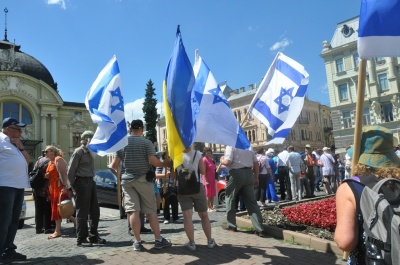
[{"x": 150, "y": 112}]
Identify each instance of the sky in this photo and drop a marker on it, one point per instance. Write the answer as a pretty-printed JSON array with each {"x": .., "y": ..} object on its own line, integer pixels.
[{"x": 237, "y": 39}]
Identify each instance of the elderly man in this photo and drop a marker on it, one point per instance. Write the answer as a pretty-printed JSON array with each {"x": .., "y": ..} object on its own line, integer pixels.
[
  {"x": 293, "y": 162},
  {"x": 243, "y": 169},
  {"x": 13, "y": 179},
  {"x": 328, "y": 170},
  {"x": 80, "y": 175}
]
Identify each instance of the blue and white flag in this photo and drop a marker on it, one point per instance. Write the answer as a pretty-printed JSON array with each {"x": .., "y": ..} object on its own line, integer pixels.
[
  {"x": 379, "y": 29},
  {"x": 280, "y": 97},
  {"x": 105, "y": 104},
  {"x": 215, "y": 121}
]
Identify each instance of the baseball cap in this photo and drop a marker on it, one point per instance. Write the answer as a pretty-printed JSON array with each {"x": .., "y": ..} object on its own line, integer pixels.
[
  {"x": 10, "y": 121},
  {"x": 87, "y": 134}
]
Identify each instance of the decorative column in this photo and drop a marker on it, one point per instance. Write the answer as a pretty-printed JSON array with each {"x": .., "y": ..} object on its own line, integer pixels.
[
  {"x": 54, "y": 129},
  {"x": 43, "y": 130},
  {"x": 371, "y": 71},
  {"x": 391, "y": 68}
]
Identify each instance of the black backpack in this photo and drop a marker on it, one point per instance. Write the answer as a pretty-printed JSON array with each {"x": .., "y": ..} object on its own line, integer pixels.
[
  {"x": 36, "y": 176},
  {"x": 187, "y": 180}
]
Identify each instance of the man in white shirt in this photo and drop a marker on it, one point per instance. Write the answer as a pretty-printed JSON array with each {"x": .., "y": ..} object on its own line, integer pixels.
[
  {"x": 14, "y": 179},
  {"x": 293, "y": 162},
  {"x": 283, "y": 175}
]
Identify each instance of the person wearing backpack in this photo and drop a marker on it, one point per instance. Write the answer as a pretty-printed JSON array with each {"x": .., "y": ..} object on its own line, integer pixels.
[
  {"x": 377, "y": 162},
  {"x": 192, "y": 160},
  {"x": 41, "y": 198}
]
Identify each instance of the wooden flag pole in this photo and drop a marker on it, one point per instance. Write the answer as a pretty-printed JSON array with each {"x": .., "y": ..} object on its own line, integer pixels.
[{"x": 358, "y": 122}]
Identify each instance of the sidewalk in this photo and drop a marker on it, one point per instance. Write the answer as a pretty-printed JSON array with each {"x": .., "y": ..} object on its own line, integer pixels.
[{"x": 233, "y": 247}]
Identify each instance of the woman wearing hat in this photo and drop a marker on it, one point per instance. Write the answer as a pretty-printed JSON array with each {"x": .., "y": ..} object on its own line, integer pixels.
[{"x": 377, "y": 161}]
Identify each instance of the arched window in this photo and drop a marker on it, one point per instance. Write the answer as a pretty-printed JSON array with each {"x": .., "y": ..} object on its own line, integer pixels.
[{"x": 16, "y": 111}]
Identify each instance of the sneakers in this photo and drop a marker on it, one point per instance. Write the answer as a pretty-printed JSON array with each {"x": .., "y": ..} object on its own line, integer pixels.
[
  {"x": 138, "y": 246},
  {"x": 84, "y": 243},
  {"x": 162, "y": 243},
  {"x": 190, "y": 245},
  {"x": 211, "y": 243},
  {"x": 97, "y": 240},
  {"x": 12, "y": 255},
  {"x": 166, "y": 221}
]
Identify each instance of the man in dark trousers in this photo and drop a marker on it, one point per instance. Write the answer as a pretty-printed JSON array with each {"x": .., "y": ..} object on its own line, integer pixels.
[
  {"x": 243, "y": 169},
  {"x": 80, "y": 175}
]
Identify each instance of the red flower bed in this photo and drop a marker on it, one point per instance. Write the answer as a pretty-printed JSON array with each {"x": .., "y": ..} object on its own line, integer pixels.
[{"x": 320, "y": 214}]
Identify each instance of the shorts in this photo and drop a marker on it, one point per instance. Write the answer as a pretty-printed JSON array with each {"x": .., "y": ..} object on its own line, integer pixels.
[
  {"x": 198, "y": 200},
  {"x": 139, "y": 196},
  {"x": 156, "y": 189}
]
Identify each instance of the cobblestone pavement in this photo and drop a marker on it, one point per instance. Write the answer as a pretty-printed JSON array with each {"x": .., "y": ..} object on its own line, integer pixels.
[{"x": 233, "y": 248}]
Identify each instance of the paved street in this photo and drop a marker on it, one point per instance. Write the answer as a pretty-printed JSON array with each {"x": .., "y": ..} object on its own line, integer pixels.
[{"x": 233, "y": 248}]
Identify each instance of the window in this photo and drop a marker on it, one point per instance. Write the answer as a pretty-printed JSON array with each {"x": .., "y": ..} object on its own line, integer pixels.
[
  {"x": 346, "y": 119},
  {"x": 383, "y": 82},
  {"x": 293, "y": 133},
  {"x": 356, "y": 60},
  {"x": 254, "y": 135},
  {"x": 366, "y": 117},
  {"x": 380, "y": 60},
  {"x": 339, "y": 65},
  {"x": 16, "y": 111},
  {"x": 239, "y": 116},
  {"x": 76, "y": 139},
  {"x": 343, "y": 94},
  {"x": 388, "y": 111},
  {"x": 302, "y": 135}
]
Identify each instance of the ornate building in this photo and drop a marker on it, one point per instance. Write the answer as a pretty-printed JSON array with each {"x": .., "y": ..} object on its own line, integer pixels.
[
  {"x": 382, "y": 99},
  {"x": 29, "y": 94},
  {"x": 313, "y": 126}
]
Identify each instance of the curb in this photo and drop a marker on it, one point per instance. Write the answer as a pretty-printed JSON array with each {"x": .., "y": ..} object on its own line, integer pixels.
[{"x": 319, "y": 244}]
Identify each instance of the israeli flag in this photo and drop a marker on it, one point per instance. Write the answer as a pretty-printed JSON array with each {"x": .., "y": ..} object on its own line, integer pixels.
[
  {"x": 280, "y": 97},
  {"x": 214, "y": 119},
  {"x": 379, "y": 29},
  {"x": 105, "y": 104}
]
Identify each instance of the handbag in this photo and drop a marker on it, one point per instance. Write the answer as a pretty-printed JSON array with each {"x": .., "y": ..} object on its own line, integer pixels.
[{"x": 65, "y": 207}]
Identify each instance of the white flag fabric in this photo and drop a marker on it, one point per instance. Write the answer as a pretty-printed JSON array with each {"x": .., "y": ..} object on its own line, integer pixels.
[
  {"x": 105, "y": 104},
  {"x": 379, "y": 29},
  {"x": 280, "y": 97},
  {"x": 215, "y": 121}
]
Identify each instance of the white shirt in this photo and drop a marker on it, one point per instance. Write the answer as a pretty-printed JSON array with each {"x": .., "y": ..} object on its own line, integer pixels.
[
  {"x": 294, "y": 161},
  {"x": 264, "y": 163},
  {"x": 282, "y": 158},
  {"x": 239, "y": 158},
  {"x": 14, "y": 169}
]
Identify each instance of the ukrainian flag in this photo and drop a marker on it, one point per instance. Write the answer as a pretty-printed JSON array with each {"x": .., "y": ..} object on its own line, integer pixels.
[{"x": 178, "y": 95}]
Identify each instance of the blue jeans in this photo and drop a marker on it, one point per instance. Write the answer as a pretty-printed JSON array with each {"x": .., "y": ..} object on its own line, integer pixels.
[{"x": 11, "y": 200}]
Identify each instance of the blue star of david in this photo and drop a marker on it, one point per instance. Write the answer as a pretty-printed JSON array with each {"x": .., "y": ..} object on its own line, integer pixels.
[
  {"x": 120, "y": 105},
  {"x": 279, "y": 99},
  {"x": 217, "y": 98}
]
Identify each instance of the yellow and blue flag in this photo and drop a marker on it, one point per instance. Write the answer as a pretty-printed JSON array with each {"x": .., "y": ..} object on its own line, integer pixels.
[{"x": 177, "y": 95}]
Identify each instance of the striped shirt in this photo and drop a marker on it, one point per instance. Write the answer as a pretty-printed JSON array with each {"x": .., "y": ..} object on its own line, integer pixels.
[{"x": 135, "y": 158}]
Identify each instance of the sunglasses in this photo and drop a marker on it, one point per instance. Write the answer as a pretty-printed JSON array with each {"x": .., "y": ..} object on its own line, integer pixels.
[{"x": 17, "y": 129}]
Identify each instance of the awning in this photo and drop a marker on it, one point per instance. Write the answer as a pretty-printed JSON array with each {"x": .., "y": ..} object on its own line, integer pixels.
[{"x": 31, "y": 142}]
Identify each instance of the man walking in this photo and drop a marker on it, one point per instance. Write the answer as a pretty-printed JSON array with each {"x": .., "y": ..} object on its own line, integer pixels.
[
  {"x": 137, "y": 158},
  {"x": 293, "y": 162},
  {"x": 283, "y": 175},
  {"x": 80, "y": 175},
  {"x": 14, "y": 178},
  {"x": 243, "y": 169}
]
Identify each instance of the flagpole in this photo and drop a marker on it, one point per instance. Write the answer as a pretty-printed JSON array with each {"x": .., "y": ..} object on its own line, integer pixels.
[{"x": 358, "y": 122}]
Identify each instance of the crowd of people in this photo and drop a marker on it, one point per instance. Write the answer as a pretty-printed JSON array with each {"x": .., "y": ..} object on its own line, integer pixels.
[{"x": 252, "y": 177}]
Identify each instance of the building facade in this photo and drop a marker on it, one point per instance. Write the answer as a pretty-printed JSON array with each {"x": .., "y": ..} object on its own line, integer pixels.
[
  {"x": 381, "y": 100},
  {"x": 28, "y": 93},
  {"x": 313, "y": 125}
]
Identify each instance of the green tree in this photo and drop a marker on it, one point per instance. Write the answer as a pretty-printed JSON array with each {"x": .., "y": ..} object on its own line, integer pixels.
[{"x": 150, "y": 112}]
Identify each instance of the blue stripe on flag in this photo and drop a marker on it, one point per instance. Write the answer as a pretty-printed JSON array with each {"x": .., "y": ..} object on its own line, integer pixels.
[
  {"x": 282, "y": 133},
  {"x": 115, "y": 137},
  {"x": 379, "y": 18},
  {"x": 289, "y": 71},
  {"x": 264, "y": 109},
  {"x": 301, "y": 91}
]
